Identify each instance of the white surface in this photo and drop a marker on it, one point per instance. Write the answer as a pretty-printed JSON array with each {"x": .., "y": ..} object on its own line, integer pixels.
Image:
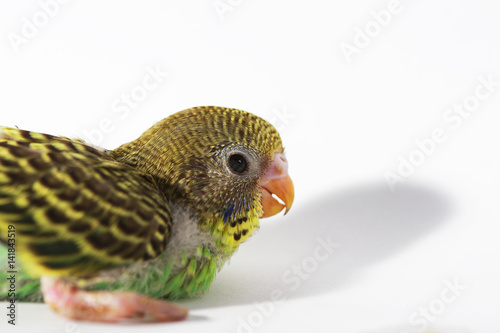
[{"x": 351, "y": 123}]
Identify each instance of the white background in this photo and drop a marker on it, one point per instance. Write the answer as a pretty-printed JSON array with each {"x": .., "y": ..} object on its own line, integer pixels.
[{"x": 346, "y": 121}]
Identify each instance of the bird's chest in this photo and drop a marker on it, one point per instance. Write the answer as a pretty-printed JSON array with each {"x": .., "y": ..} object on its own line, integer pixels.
[
  {"x": 197, "y": 250},
  {"x": 190, "y": 261}
]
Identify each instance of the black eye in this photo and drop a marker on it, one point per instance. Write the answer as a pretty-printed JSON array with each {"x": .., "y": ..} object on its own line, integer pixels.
[{"x": 238, "y": 163}]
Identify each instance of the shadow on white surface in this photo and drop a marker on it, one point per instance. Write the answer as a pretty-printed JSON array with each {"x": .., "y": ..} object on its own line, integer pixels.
[{"x": 368, "y": 223}]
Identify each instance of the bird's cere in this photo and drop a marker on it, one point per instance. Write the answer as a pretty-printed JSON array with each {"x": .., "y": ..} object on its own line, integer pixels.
[{"x": 277, "y": 182}]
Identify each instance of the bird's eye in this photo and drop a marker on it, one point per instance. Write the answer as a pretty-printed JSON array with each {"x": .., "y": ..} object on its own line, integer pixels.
[{"x": 238, "y": 163}]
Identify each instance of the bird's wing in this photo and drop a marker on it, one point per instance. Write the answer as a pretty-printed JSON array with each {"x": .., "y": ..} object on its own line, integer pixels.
[{"x": 74, "y": 210}]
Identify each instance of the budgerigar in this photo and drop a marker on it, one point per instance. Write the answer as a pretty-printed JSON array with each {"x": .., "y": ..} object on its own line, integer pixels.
[{"x": 108, "y": 235}]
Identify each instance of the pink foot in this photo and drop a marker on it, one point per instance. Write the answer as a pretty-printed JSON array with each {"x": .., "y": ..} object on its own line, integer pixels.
[{"x": 105, "y": 306}]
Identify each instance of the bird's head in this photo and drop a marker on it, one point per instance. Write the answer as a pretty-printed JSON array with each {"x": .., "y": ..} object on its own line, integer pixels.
[{"x": 226, "y": 164}]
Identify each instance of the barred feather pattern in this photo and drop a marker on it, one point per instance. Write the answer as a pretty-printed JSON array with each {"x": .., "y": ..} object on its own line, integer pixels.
[
  {"x": 186, "y": 269},
  {"x": 75, "y": 210},
  {"x": 105, "y": 219}
]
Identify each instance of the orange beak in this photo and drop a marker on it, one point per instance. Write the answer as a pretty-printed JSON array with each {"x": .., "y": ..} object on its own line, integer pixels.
[{"x": 277, "y": 181}]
